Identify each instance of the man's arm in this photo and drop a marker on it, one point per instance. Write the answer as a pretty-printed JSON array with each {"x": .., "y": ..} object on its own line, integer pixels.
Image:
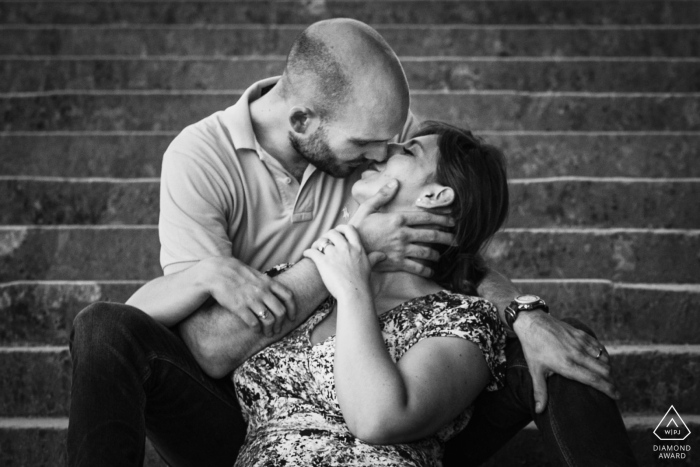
[
  {"x": 551, "y": 345},
  {"x": 220, "y": 341}
]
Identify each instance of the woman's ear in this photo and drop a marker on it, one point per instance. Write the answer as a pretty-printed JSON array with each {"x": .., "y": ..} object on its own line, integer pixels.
[
  {"x": 302, "y": 120},
  {"x": 435, "y": 196}
]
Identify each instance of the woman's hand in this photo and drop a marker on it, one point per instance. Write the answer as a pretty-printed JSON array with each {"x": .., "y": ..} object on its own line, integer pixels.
[{"x": 343, "y": 265}]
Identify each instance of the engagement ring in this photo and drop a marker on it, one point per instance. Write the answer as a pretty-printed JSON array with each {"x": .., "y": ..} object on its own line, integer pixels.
[{"x": 323, "y": 247}]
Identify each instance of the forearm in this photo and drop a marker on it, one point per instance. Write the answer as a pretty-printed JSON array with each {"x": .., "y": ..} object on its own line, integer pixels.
[
  {"x": 170, "y": 299},
  {"x": 370, "y": 388},
  {"x": 499, "y": 290},
  {"x": 306, "y": 284},
  {"x": 220, "y": 341}
]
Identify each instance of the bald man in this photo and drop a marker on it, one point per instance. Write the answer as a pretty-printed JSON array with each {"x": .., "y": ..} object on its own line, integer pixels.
[{"x": 243, "y": 190}]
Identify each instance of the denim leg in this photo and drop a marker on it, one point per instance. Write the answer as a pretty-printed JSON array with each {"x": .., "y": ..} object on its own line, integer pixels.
[
  {"x": 134, "y": 377},
  {"x": 580, "y": 427}
]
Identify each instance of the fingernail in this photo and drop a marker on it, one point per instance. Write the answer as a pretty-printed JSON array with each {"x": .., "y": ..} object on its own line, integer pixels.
[{"x": 392, "y": 184}]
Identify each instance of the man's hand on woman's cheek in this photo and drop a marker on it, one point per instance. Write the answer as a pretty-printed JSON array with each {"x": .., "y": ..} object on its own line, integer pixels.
[{"x": 404, "y": 237}]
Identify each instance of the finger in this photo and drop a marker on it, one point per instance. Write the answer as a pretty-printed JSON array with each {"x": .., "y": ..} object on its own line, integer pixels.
[
  {"x": 427, "y": 218},
  {"x": 265, "y": 317},
  {"x": 351, "y": 235},
  {"x": 383, "y": 196},
  {"x": 595, "y": 349},
  {"x": 314, "y": 255},
  {"x": 376, "y": 257},
  {"x": 250, "y": 319},
  {"x": 320, "y": 242},
  {"x": 428, "y": 236},
  {"x": 422, "y": 252},
  {"x": 592, "y": 378},
  {"x": 539, "y": 386},
  {"x": 287, "y": 297},
  {"x": 337, "y": 239},
  {"x": 276, "y": 310},
  {"x": 416, "y": 268}
]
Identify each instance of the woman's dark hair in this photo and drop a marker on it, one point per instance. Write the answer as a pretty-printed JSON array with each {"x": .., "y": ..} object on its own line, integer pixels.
[{"x": 477, "y": 173}]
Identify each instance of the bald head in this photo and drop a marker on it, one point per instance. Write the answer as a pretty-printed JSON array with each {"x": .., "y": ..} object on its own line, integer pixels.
[{"x": 342, "y": 63}]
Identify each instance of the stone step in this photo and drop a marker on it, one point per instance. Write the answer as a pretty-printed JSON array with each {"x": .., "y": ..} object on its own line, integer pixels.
[
  {"x": 629, "y": 255},
  {"x": 28, "y": 74},
  {"x": 544, "y": 202},
  {"x": 376, "y": 12},
  {"x": 36, "y": 380},
  {"x": 131, "y": 253},
  {"x": 408, "y": 40},
  {"x": 42, "y": 312},
  {"x": 530, "y": 154},
  {"x": 481, "y": 110},
  {"x": 41, "y": 442},
  {"x": 34, "y": 442}
]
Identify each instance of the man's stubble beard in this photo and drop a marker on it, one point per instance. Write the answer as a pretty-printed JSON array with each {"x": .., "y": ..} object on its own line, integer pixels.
[{"x": 317, "y": 152}]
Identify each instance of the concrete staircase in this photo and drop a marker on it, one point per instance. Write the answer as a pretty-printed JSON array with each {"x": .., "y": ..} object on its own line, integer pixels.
[{"x": 596, "y": 103}]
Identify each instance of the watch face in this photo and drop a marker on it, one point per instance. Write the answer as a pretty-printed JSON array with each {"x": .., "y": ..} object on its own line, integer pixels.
[{"x": 524, "y": 299}]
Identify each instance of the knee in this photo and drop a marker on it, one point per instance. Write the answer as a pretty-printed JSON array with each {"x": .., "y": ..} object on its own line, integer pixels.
[
  {"x": 579, "y": 325},
  {"x": 102, "y": 325}
]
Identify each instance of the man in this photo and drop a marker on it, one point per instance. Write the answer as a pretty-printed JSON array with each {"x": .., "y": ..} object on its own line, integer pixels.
[{"x": 246, "y": 189}]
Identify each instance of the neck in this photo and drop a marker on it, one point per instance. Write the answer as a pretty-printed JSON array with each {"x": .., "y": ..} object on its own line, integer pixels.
[
  {"x": 269, "y": 117},
  {"x": 391, "y": 289}
]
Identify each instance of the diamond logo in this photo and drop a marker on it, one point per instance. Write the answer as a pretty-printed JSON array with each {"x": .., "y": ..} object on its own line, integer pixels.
[{"x": 672, "y": 427}]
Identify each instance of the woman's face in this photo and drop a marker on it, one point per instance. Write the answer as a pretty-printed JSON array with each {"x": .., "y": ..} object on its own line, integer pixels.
[{"x": 412, "y": 163}]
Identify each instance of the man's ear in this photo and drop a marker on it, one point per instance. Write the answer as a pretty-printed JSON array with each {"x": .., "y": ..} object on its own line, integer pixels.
[
  {"x": 435, "y": 196},
  {"x": 302, "y": 120}
]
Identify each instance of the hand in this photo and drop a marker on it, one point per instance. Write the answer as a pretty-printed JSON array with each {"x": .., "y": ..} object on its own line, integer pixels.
[
  {"x": 343, "y": 265},
  {"x": 553, "y": 346},
  {"x": 397, "y": 234},
  {"x": 260, "y": 301}
]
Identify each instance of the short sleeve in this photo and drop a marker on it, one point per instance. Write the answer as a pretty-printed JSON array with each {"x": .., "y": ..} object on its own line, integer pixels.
[
  {"x": 194, "y": 203},
  {"x": 475, "y": 320}
]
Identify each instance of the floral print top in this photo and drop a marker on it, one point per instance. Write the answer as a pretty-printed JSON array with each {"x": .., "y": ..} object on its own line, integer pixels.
[{"x": 287, "y": 391}]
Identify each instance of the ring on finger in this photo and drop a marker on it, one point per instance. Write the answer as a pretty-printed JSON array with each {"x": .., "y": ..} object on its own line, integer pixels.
[
  {"x": 262, "y": 314},
  {"x": 323, "y": 247},
  {"x": 600, "y": 352}
]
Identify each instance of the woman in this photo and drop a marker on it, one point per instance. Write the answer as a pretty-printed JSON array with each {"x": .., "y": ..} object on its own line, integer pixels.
[{"x": 376, "y": 375}]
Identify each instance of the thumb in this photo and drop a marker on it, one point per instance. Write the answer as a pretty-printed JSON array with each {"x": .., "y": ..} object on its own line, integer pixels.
[
  {"x": 376, "y": 257},
  {"x": 380, "y": 198},
  {"x": 539, "y": 386}
]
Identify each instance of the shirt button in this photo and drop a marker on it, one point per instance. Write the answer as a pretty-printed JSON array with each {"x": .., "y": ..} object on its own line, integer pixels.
[{"x": 287, "y": 180}]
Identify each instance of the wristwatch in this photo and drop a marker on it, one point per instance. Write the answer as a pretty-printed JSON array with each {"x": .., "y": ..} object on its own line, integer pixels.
[{"x": 523, "y": 303}]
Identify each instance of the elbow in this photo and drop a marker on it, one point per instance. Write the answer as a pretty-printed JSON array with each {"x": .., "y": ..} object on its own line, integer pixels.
[
  {"x": 206, "y": 353},
  {"x": 372, "y": 430}
]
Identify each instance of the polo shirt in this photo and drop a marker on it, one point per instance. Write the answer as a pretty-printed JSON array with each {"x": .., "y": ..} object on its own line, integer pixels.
[{"x": 221, "y": 194}]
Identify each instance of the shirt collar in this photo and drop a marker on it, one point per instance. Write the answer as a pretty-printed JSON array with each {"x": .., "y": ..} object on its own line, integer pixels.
[{"x": 238, "y": 115}]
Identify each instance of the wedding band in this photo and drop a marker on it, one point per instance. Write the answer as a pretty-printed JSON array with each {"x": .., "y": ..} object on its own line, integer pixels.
[
  {"x": 600, "y": 352},
  {"x": 323, "y": 247},
  {"x": 262, "y": 314}
]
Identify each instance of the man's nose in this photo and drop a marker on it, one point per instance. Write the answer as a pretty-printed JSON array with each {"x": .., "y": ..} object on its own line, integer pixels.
[{"x": 378, "y": 153}]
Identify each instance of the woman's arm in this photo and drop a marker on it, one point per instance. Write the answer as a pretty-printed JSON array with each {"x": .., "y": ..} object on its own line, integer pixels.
[
  {"x": 387, "y": 403},
  {"x": 384, "y": 402}
]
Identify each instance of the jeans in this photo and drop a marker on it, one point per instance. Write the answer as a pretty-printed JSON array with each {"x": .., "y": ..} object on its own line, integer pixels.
[
  {"x": 134, "y": 377},
  {"x": 580, "y": 426}
]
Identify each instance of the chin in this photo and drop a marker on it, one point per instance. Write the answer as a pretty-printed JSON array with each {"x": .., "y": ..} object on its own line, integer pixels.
[{"x": 360, "y": 192}]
